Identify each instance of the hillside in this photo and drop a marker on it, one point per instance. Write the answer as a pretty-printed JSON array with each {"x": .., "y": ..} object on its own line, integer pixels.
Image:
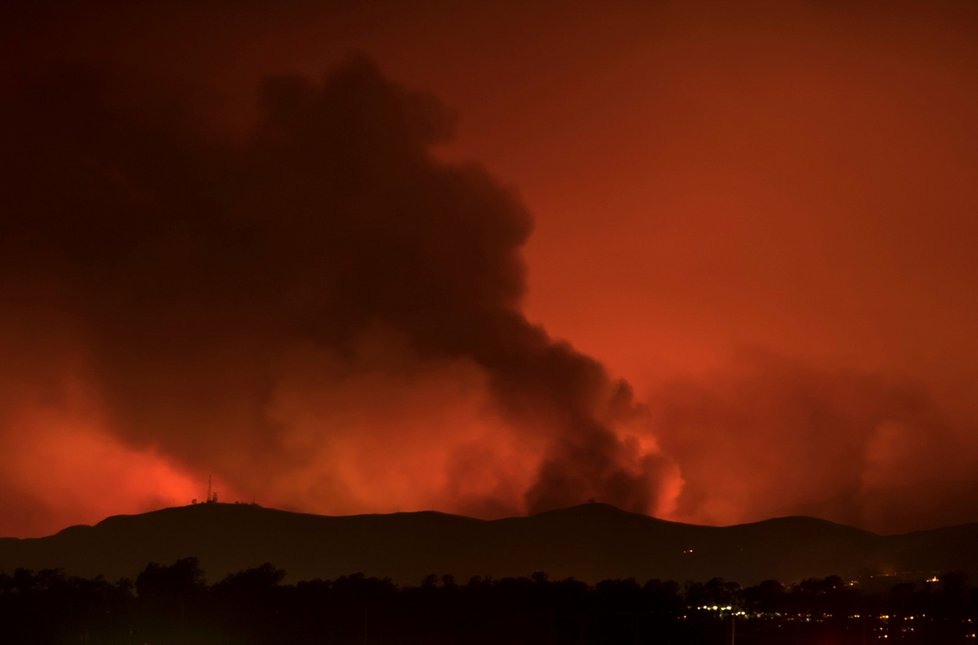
[{"x": 590, "y": 542}]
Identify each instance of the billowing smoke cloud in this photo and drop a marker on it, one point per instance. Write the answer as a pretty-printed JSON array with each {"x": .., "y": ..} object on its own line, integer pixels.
[
  {"x": 771, "y": 436},
  {"x": 311, "y": 302}
]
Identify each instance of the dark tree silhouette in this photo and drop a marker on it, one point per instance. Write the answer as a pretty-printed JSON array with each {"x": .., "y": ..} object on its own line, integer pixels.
[{"x": 171, "y": 603}]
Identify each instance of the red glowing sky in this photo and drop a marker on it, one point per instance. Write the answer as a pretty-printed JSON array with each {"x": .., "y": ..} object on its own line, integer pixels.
[{"x": 761, "y": 215}]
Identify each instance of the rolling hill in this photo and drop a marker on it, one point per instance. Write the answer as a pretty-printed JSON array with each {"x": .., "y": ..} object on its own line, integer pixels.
[{"x": 590, "y": 542}]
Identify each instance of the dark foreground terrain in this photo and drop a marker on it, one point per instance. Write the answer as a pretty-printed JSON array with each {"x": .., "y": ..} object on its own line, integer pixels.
[
  {"x": 172, "y": 604},
  {"x": 591, "y": 542},
  {"x": 432, "y": 578}
]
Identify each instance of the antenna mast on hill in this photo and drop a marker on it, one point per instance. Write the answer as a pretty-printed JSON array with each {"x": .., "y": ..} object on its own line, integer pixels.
[{"x": 209, "y": 496}]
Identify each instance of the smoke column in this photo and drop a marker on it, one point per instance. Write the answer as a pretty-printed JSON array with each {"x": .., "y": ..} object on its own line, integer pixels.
[{"x": 267, "y": 307}]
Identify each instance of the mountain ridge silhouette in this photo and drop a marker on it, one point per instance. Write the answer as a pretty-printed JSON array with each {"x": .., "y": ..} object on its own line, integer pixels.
[{"x": 590, "y": 542}]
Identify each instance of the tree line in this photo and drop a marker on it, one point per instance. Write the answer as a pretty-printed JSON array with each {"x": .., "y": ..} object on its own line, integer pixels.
[{"x": 173, "y": 604}]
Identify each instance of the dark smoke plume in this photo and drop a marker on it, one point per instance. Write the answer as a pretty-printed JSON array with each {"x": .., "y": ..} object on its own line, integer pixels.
[{"x": 218, "y": 291}]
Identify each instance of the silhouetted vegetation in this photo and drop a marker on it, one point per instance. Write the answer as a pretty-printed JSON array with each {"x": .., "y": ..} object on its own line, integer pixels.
[{"x": 173, "y": 604}]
